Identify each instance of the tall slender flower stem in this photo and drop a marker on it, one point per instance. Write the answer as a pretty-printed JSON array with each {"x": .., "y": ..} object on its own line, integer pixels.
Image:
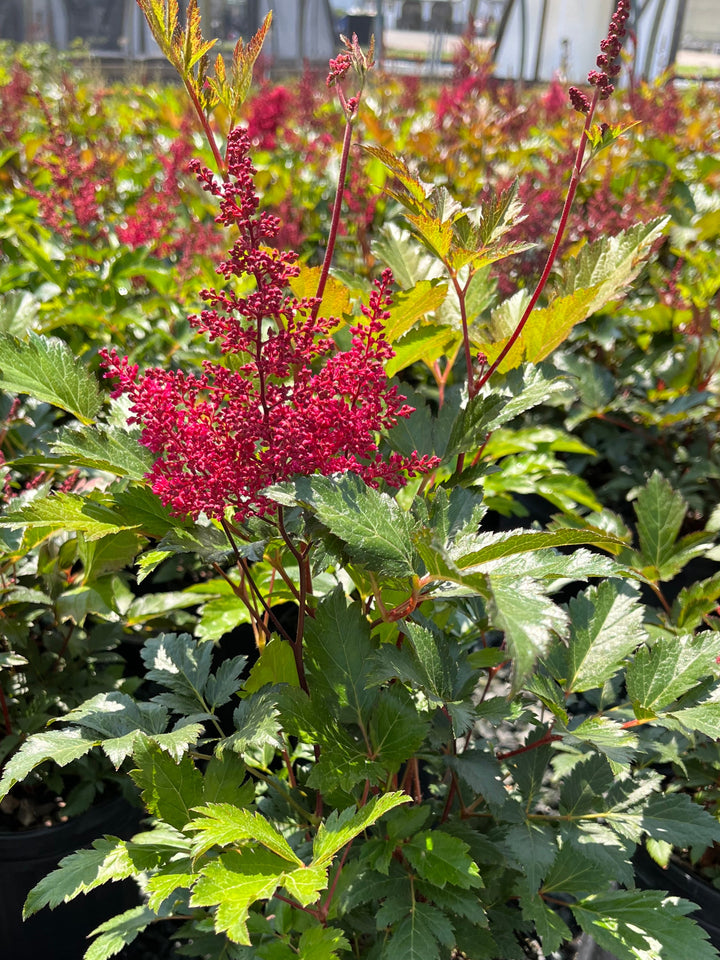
[
  {"x": 337, "y": 207},
  {"x": 355, "y": 58},
  {"x": 552, "y": 256},
  {"x": 461, "y": 295}
]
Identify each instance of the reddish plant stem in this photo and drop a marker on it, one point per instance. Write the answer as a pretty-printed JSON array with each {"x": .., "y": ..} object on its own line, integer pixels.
[
  {"x": 305, "y": 589},
  {"x": 63, "y": 648},
  {"x": 207, "y": 130},
  {"x": 288, "y": 766},
  {"x": 276, "y": 563},
  {"x": 461, "y": 293},
  {"x": 293, "y": 903},
  {"x": 548, "y": 738},
  {"x": 244, "y": 566},
  {"x": 325, "y": 908},
  {"x": 299, "y": 633},
  {"x": 5, "y": 713},
  {"x": 473, "y": 388},
  {"x": 450, "y": 797},
  {"x": 404, "y": 783},
  {"x": 661, "y": 597},
  {"x": 337, "y": 207},
  {"x": 319, "y": 801}
]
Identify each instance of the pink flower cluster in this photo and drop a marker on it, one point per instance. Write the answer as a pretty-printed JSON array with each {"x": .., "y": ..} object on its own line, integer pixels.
[
  {"x": 286, "y": 401},
  {"x": 607, "y": 60},
  {"x": 70, "y": 204},
  {"x": 268, "y": 113},
  {"x": 154, "y": 223},
  {"x": 338, "y": 68}
]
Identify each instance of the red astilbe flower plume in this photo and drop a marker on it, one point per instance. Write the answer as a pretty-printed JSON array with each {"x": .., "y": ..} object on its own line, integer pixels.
[{"x": 288, "y": 402}]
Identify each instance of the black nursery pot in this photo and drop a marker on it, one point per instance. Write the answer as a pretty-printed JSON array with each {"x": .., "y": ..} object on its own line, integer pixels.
[
  {"x": 680, "y": 882},
  {"x": 27, "y": 857}
]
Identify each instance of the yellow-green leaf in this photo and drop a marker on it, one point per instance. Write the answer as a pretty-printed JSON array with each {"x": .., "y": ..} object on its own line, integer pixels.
[
  {"x": 413, "y": 305},
  {"x": 336, "y": 297}
]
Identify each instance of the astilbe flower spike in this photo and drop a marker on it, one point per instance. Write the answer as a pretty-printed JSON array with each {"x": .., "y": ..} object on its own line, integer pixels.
[
  {"x": 288, "y": 402},
  {"x": 608, "y": 60}
]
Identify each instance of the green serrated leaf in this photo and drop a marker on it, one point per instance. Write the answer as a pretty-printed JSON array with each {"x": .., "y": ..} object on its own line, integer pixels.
[
  {"x": 414, "y": 191},
  {"x": 528, "y": 769},
  {"x": 341, "y": 827},
  {"x": 69, "y": 511},
  {"x": 607, "y": 736},
  {"x": 426, "y": 343},
  {"x": 321, "y": 943},
  {"x": 177, "y": 875},
  {"x": 397, "y": 729},
  {"x": 60, "y": 746},
  {"x": 660, "y": 512},
  {"x": 643, "y": 925},
  {"x": 574, "y": 872},
  {"x": 338, "y": 648},
  {"x": 606, "y": 624},
  {"x": 80, "y": 872},
  {"x": 169, "y": 789},
  {"x": 114, "y": 934},
  {"x": 436, "y": 660},
  {"x": 676, "y": 819},
  {"x": 673, "y": 665},
  {"x": 529, "y": 620},
  {"x": 534, "y": 847},
  {"x": 610, "y": 263},
  {"x": 375, "y": 530},
  {"x": 46, "y": 369},
  {"x": 694, "y": 602},
  {"x": 411, "y": 306},
  {"x": 222, "y": 824},
  {"x": 586, "y": 782},
  {"x": 276, "y": 664},
  {"x": 256, "y": 722},
  {"x": 552, "y": 929},
  {"x": 225, "y": 781},
  {"x": 483, "y": 774},
  {"x": 113, "y": 449},
  {"x": 138, "y": 504},
  {"x": 441, "y": 858},
  {"x": 113, "y": 552},
  {"x": 182, "y": 665},
  {"x": 421, "y": 935},
  {"x": 234, "y": 881},
  {"x": 705, "y": 718}
]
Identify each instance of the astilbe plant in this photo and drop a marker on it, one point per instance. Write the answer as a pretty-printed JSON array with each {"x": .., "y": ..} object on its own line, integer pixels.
[
  {"x": 433, "y": 757},
  {"x": 290, "y": 404}
]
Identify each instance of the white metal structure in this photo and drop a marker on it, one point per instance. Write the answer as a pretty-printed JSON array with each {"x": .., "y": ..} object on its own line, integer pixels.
[
  {"x": 302, "y": 29},
  {"x": 539, "y": 39}
]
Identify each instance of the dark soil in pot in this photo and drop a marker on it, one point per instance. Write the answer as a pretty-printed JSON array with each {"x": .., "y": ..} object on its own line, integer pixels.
[{"x": 28, "y": 856}]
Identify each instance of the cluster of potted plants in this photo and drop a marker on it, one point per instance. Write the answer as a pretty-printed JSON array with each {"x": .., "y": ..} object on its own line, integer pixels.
[{"x": 358, "y": 570}]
